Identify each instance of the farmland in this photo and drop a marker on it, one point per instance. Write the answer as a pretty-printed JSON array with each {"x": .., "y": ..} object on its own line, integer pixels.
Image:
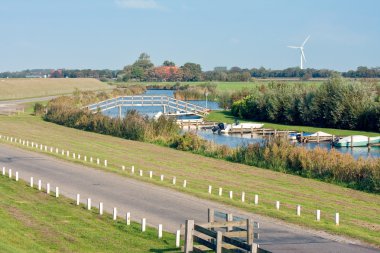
[
  {"x": 32, "y": 221},
  {"x": 40, "y": 87},
  {"x": 361, "y": 223}
]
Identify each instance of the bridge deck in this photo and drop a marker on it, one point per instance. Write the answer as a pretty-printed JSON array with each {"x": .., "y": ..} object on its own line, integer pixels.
[{"x": 168, "y": 103}]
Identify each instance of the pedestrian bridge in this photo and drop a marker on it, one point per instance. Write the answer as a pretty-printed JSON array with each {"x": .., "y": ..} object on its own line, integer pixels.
[{"x": 170, "y": 106}]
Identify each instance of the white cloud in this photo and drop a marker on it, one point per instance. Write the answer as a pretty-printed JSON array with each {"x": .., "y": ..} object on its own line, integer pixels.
[
  {"x": 138, "y": 4},
  {"x": 234, "y": 40}
]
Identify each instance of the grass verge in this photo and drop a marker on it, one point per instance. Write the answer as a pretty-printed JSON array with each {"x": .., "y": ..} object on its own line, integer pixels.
[
  {"x": 227, "y": 117},
  {"x": 32, "y": 221}
]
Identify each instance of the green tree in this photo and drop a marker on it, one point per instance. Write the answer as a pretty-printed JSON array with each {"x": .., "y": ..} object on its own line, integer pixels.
[
  {"x": 168, "y": 63},
  {"x": 192, "y": 72}
]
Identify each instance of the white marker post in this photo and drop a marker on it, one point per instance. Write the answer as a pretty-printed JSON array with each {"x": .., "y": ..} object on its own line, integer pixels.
[
  {"x": 337, "y": 219},
  {"x": 78, "y": 156},
  {"x": 51, "y": 149},
  {"x": 73, "y": 155},
  {"x": 184, "y": 183},
  {"x": 122, "y": 167},
  {"x": 31, "y": 182},
  {"x": 78, "y": 199},
  {"x": 174, "y": 180},
  {"x": 141, "y": 173},
  {"x": 114, "y": 213},
  {"x": 56, "y": 192},
  {"x": 105, "y": 163},
  {"x": 45, "y": 148},
  {"x": 56, "y": 150},
  {"x": 3, "y": 171},
  {"x": 298, "y": 210},
  {"x": 177, "y": 238},
  {"x": 97, "y": 161},
  {"x": 133, "y": 169},
  {"x": 243, "y": 197},
  {"x": 39, "y": 184},
  {"x": 16, "y": 175},
  {"x": 278, "y": 205},
  {"x": 85, "y": 158},
  {"x": 143, "y": 225},
  {"x": 88, "y": 204},
  {"x": 150, "y": 174},
  {"x": 48, "y": 188},
  {"x": 231, "y": 194},
  {"x": 220, "y": 191},
  {"x": 67, "y": 153},
  {"x": 10, "y": 173},
  {"x": 128, "y": 218},
  {"x": 91, "y": 159},
  {"x": 256, "y": 199},
  {"x": 162, "y": 177},
  {"x": 159, "y": 231},
  {"x": 100, "y": 208},
  {"x": 209, "y": 189},
  {"x": 63, "y": 152},
  {"x": 318, "y": 218}
]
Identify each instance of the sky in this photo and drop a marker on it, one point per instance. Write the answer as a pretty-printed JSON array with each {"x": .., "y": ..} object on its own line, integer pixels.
[{"x": 110, "y": 34}]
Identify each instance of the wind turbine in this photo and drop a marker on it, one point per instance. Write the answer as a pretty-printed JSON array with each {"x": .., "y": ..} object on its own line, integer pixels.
[{"x": 303, "y": 58}]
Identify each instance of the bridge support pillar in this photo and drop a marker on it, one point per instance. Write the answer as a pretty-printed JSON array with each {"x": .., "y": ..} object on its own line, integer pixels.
[{"x": 164, "y": 109}]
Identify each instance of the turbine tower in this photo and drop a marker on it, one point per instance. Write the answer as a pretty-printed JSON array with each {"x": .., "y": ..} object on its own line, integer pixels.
[{"x": 303, "y": 58}]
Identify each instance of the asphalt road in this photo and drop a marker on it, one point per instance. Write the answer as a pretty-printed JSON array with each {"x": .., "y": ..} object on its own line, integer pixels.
[{"x": 160, "y": 205}]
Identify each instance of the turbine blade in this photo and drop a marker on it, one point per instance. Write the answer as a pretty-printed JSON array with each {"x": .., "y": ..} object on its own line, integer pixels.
[
  {"x": 303, "y": 55},
  {"x": 293, "y": 47},
  {"x": 303, "y": 44}
]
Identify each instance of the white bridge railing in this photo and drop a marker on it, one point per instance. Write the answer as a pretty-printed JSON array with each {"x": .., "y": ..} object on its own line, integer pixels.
[{"x": 171, "y": 106}]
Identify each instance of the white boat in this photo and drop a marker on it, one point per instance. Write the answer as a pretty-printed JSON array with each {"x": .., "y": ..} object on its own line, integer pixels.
[
  {"x": 320, "y": 134},
  {"x": 230, "y": 127},
  {"x": 357, "y": 141}
]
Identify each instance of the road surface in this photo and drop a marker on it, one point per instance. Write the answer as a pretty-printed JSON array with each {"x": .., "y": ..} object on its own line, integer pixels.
[{"x": 161, "y": 205}]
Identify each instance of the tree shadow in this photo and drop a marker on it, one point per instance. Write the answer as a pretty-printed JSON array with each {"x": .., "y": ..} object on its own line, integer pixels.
[{"x": 165, "y": 250}]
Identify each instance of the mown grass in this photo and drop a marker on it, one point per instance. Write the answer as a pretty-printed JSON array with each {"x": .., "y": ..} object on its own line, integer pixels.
[
  {"x": 17, "y": 88},
  {"x": 32, "y": 221},
  {"x": 358, "y": 210},
  {"x": 227, "y": 117}
]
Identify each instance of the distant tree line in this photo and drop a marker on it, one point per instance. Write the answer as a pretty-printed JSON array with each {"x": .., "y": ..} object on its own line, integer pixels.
[
  {"x": 143, "y": 70},
  {"x": 337, "y": 103}
]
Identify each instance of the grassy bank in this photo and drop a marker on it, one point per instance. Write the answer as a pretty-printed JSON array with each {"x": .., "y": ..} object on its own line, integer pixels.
[
  {"x": 32, "y": 221},
  {"x": 18, "y": 88},
  {"x": 227, "y": 117},
  {"x": 361, "y": 223}
]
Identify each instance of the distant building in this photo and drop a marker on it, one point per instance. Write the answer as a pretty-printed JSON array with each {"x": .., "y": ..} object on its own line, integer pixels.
[{"x": 220, "y": 69}]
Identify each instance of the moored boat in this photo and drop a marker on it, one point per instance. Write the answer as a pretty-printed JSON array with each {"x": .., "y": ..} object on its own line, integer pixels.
[{"x": 357, "y": 141}]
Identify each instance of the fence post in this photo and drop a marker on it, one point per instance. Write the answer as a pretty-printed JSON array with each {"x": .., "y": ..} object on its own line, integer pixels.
[
  {"x": 88, "y": 204},
  {"x": 150, "y": 174},
  {"x": 159, "y": 231},
  {"x": 39, "y": 184},
  {"x": 123, "y": 167},
  {"x": 243, "y": 197},
  {"x": 229, "y": 217},
  {"x": 56, "y": 192},
  {"x": 78, "y": 156},
  {"x": 318, "y": 215},
  {"x": 254, "y": 248},
  {"x": 31, "y": 182},
  {"x": 189, "y": 229},
  {"x": 10, "y": 173},
  {"x": 184, "y": 183},
  {"x": 249, "y": 231},
  {"x": 256, "y": 199},
  {"x": 210, "y": 215},
  {"x": 143, "y": 225},
  {"x": 298, "y": 210},
  {"x": 91, "y": 159},
  {"x": 162, "y": 178},
  {"x": 220, "y": 191},
  {"x": 85, "y": 158},
  {"x": 16, "y": 175},
  {"x": 100, "y": 208},
  {"x": 97, "y": 161},
  {"x": 105, "y": 163},
  {"x": 48, "y": 188},
  {"x": 114, "y": 213},
  {"x": 174, "y": 180},
  {"x": 133, "y": 169},
  {"x": 278, "y": 205},
  {"x": 128, "y": 218},
  {"x": 209, "y": 189},
  {"x": 337, "y": 219},
  {"x": 3, "y": 171},
  {"x": 178, "y": 238},
  {"x": 141, "y": 173},
  {"x": 78, "y": 199},
  {"x": 231, "y": 194},
  {"x": 219, "y": 242}
]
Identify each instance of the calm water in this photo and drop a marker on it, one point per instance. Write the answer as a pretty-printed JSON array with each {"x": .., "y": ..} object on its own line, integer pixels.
[{"x": 236, "y": 140}]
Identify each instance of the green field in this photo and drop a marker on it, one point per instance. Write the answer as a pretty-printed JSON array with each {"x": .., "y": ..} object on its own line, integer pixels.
[
  {"x": 227, "y": 117},
  {"x": 222, "y": 86},
  {"x": 358, "y": 210},
  {"x": 18, "y": 88},
  {"x": 32, "y": 221}
]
